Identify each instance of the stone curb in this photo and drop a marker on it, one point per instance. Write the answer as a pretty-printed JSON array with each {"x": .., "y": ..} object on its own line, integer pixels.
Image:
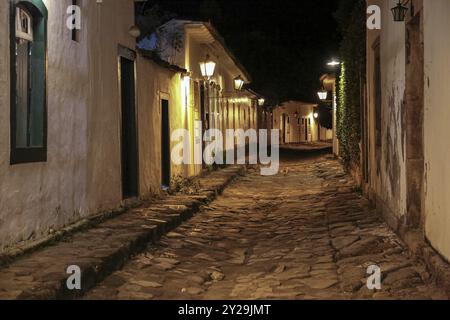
[{"x": 105, "y": 248}]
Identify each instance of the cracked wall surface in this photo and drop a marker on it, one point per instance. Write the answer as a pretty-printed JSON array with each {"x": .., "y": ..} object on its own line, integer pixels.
[{"x": 387, "y": 163}]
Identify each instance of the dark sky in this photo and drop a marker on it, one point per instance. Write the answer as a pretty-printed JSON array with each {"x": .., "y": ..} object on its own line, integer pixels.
[{"x": 283, "y": 44}]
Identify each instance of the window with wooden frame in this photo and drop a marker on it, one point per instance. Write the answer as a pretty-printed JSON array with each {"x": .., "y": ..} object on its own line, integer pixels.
[{"x": 28, "y": 55}]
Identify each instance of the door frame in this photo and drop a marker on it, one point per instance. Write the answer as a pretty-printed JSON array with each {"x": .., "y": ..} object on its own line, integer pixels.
[
  {"x": 166, "y": 97},
  {"x": 124, "y": 52}
]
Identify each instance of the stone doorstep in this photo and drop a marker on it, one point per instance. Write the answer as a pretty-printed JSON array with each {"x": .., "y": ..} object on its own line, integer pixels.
[{"x": 132, "y": 231}]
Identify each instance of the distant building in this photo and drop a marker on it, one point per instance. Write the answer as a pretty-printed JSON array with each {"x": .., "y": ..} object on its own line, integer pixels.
[{"x": 298, "y": 122}]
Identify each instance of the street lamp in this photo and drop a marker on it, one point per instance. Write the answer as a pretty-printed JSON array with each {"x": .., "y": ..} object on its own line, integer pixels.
[
  {"x": 261, "y": 101},
  {"x": 399, "y": 11},
  {"x": 333, "y": 63},
  {"x": 316, "y": 115},
  {"x": 238, "y": 83},
  {"x": 323, "y": 94},
  {"x": 207, "y": 67}
]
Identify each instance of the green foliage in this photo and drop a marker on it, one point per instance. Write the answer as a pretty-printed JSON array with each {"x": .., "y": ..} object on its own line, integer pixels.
[{"x": 352, "y": 20}]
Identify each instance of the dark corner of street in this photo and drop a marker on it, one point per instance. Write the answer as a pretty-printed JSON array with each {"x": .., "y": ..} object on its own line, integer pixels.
[{"x": 225, "y": 159}]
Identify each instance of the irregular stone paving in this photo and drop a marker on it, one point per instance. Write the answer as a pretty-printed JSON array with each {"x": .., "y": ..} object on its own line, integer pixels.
[
  {"x": 303, "y": 234},
  {"x": 102, "y": 249}
]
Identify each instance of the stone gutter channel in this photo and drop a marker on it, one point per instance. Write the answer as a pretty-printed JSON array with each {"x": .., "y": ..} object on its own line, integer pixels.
[{"x": 105, "y": 247}]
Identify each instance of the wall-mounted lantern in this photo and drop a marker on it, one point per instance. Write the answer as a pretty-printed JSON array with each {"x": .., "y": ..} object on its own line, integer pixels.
[
  {"x": 323, "y": 94},
  {"x": 238, "y": 83},
  {"x": 261, "y": 102},
  {"x": 316, "y": 115},
  {"x": 399, "y": 11},
  {"x": 207, "y": 67}
]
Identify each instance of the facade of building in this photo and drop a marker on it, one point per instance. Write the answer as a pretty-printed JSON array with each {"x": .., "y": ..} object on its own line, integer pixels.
[
  {"x": 297, "y": 122},
  {"x": 213, "y": 100},
  {"x": 60, "y": 154},
  {"x": 406, "y": 121},
  {"x": 86, "y": 117}
]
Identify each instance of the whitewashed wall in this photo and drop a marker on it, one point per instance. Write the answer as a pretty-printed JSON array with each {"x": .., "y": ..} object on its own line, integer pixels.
[
  {"x": 436, "y": 124},
  {"x": 156, "y": 83},
  {"x": 82, "y": 174},
  {"x": 388, "y": 171}
]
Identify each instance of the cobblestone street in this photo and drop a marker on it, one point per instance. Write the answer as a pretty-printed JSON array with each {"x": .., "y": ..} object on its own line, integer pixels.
[{"x": 303, "y": 234}]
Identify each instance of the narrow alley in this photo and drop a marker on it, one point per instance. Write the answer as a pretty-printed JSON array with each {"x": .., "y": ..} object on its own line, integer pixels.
[
  {"x": 215, "y": 150},
  {"x": 306, "y": 233}
]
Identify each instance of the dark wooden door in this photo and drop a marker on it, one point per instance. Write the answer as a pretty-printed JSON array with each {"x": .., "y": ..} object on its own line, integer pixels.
[
  {"x": 165, "y": 144},
  {"x": 129, "y": 130},
  {"x": 204, "y": 117}
]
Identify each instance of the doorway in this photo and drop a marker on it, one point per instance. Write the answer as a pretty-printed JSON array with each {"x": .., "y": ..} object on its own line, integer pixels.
[
  {"x": 306, "y": 129},
  {"x": 129, "y": 143},
  {"x": 165, "y": 144},
  {"x": 283, "y": 129}
]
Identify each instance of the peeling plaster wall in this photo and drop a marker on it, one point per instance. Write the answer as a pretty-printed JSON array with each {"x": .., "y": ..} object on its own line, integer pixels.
[
  {"x": 388, "y": 169},
  {"x": 436, "y": 124},
  {"x": 82, "y": 173}
]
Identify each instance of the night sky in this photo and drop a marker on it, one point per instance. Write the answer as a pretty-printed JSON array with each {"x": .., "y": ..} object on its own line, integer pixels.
[{"x": 283, "y": 44}]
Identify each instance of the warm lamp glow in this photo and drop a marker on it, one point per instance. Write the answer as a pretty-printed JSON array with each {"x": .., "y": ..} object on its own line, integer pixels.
[
  {"x": 238, "y": 83},
  {"x": 207, "y": 67},
  {"x": 261, "y": 102},
  {"x": 322, "y": 95},
  {"x": 333, "y": 63},
  {"x": 316, "y": 115}
]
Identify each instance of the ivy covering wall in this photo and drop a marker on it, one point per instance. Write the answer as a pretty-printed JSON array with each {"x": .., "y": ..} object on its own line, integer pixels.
[{"x": 352, "y": 21}]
